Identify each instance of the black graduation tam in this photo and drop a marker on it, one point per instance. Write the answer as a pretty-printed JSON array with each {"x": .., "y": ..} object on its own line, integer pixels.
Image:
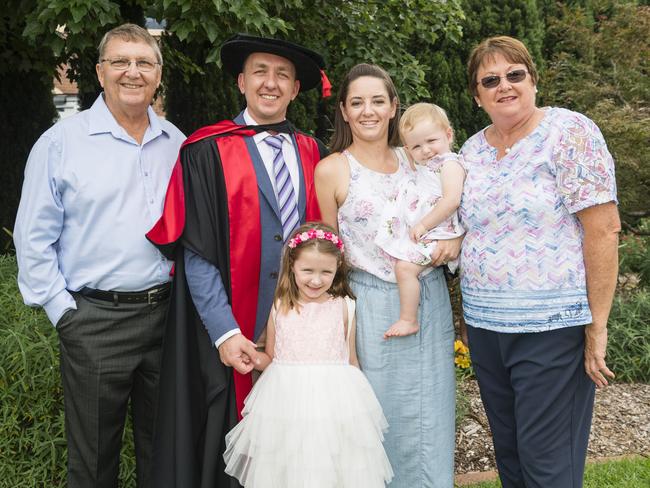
[{"x": 308, "y": 63}]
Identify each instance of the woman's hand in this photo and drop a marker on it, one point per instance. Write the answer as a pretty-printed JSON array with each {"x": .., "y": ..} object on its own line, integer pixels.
[
  {"x": 600, "y": 225},
  {"x": 595, "y": 348},
  {"x": 446, "y": 250}
]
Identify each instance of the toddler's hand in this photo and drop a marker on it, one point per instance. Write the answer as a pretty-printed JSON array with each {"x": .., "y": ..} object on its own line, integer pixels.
[{"x": 417, "y": 231}]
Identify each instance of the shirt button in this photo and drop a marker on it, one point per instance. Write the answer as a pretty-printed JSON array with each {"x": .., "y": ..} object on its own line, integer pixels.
[
  {"x": 146, "y": 173},
  {"x": 151, "y": 200},
  {"x": 274, "y": 274},
  {"x": 277, "y": 237}
]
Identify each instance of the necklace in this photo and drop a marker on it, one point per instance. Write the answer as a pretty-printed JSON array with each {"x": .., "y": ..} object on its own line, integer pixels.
[{"x": 521, "y": 132}]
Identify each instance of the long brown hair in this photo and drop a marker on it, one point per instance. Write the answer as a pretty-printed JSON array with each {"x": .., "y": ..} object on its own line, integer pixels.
[
  {"x": 342, "y": 137},
  {"x": 286, "y": 293}
]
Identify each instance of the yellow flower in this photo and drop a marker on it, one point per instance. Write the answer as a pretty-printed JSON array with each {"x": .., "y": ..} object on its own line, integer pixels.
[
  {"x": 460, "y": 348},
  {"x": 462, "y": 362},
  {"x": 461, "y": 357}
]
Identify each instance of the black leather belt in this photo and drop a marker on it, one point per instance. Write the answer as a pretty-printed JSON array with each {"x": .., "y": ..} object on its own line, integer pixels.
[{"x": 152, "y": 295}]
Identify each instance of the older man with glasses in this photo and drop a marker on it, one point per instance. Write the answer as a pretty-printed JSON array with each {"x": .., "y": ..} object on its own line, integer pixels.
[{"x": 94, "y": 183}]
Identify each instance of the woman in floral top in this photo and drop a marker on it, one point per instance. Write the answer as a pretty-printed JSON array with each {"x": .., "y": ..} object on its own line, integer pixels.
[
  {"x": 539, "y": 265},
  {"x": 413, "y": 376}
]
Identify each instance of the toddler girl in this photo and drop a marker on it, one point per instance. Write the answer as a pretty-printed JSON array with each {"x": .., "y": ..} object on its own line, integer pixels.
[
  {"x": 312, "y": 418},
  {"x": 423, "y": 208}
]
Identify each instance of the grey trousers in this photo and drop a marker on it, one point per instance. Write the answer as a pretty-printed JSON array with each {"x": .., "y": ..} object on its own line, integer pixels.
[{"x": 108, "y": 355}]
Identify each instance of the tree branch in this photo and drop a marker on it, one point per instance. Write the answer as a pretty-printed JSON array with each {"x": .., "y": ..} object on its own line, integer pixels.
[{"x": 630, "y": 228}]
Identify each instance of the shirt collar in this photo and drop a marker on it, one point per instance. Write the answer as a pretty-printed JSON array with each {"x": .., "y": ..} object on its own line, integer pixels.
[
  {"x": 260, "y": 136},
  {"x": 101, "y": 121}
]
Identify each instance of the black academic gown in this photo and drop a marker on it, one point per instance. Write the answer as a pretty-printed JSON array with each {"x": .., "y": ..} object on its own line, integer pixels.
[
  {"x": 197, "y": 395},
  {"x": 197, "y": 392}
]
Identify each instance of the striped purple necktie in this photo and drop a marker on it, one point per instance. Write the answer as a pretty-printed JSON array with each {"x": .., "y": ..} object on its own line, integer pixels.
[{"x": 286, "y": 196}]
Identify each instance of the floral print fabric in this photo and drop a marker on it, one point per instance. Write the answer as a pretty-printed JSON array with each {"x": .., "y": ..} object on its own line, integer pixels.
[
  {"x": 522, "y": 268},
  {"x": 359, "y": 217},
  {"x": 414, "y": 197}
]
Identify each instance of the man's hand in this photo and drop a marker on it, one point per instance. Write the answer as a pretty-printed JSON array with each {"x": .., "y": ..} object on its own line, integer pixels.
[
  {"x": 446, "y": 250},
  {"x": 239, "y": 353},
  {"x": 595, "y": 348}
]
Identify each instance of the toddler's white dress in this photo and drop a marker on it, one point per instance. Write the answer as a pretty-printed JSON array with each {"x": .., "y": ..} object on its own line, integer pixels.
[
  {"x": 312, "y": 419},
  {"x": 412, "y": 199}
]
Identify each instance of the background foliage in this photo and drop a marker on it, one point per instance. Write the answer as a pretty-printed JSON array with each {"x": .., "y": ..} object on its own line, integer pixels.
[
  {"x": 592, "y": 55},
  {"x": 599, "y": 64},
  {"x": 32, "y": 437},
  {"x": 628, "y": 350},
  {"x": 27, "y": 108}
]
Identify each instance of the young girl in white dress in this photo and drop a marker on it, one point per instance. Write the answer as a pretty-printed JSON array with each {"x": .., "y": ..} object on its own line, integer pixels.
[
  {"x": 423, "y": 209},
  {"x": 312, "y": 419}
]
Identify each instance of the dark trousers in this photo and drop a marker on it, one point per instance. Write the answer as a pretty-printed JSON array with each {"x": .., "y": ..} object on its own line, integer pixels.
[
  {"x": 539, "y": 403},
  {"x": 109, "y": 354}
]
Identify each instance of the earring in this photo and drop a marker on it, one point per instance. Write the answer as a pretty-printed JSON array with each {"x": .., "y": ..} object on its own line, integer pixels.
[
  {"x": 535, "y": 89},
  {"x": 479, "y": 104}
]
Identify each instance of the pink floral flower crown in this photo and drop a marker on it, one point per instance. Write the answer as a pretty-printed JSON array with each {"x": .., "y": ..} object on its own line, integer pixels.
[{"x": 316, "y": 234}]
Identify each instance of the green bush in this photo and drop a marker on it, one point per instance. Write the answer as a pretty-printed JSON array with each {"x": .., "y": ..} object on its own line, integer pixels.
[
  {"x": 628, "y": 350},
  {"x": 32, "y": 436},
  {"x": 634, "y": 255}
]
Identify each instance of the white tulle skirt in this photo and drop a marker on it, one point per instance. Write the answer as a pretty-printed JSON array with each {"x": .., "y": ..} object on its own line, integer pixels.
[{"x": 309, "y": 426}]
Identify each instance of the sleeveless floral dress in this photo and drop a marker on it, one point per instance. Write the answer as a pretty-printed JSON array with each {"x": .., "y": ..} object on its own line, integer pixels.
[{"x": 359, "y": 217}]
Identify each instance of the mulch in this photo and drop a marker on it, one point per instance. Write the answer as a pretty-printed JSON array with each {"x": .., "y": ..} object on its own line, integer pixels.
[{"x": 620, "y": 427}]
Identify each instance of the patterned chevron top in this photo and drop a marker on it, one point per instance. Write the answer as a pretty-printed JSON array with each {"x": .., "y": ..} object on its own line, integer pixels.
[{"x": 522, "y": 268}]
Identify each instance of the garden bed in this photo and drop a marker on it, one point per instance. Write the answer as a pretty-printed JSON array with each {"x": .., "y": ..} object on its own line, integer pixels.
[{"x": 621, "y": 426}]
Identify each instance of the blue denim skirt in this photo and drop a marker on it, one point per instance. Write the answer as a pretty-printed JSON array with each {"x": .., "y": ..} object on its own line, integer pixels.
[{"x": 413, "y": 377}]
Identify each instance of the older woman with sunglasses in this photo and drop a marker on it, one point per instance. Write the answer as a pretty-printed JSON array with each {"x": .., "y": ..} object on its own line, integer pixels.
[{"x": 539, "y": 265}]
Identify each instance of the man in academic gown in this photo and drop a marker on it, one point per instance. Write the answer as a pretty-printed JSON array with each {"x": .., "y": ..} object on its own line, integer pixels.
[{"x": 238, "y": 190}]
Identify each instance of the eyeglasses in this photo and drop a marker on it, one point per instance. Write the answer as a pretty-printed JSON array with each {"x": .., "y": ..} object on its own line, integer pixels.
[
  {"x": 122, "y": 64},
  {"x": 514, "y": 76}
]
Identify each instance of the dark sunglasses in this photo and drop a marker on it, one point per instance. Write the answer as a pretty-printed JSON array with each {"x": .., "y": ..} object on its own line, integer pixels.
[{"x": 514, "y": 76}]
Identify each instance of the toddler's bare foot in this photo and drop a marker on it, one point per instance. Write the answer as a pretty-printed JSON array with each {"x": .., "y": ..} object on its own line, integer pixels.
[{"x": 402, "y": 328}]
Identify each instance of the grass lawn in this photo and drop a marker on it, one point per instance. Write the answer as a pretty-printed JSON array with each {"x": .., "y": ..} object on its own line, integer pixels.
[{"x": 627, "y": 473}]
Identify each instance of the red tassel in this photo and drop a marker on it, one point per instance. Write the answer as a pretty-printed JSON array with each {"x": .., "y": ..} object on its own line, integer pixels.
[{"x": 327, "y": 86}]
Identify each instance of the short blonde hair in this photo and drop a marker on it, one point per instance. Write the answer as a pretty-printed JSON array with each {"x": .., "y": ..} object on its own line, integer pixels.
[{"x": 423, "y": 111}]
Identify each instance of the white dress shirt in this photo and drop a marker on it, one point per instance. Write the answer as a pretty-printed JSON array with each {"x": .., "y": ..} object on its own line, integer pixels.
[{"x": 266, "y": 152}]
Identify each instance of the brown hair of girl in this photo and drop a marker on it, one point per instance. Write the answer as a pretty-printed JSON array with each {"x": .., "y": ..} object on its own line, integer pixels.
[{"x": 287, "y": 293}]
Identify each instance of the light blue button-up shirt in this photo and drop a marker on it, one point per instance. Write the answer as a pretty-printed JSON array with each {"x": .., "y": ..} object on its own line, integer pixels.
[{"x": 90, "y": 194}]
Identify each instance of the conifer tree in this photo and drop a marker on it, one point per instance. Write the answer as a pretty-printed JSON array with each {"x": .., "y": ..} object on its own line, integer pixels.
[
  {"x": 26, "y": 75},
  {"x": 447, "y": 60}
]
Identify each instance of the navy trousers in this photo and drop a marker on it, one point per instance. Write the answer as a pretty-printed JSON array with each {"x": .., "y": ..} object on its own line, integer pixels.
[{"x": 539, "y": 403}]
